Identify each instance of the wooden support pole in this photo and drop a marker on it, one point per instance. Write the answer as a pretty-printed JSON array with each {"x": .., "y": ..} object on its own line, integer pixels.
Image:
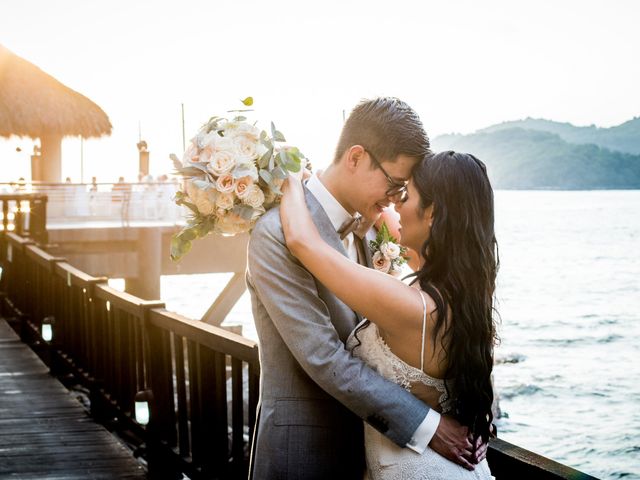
[
  {"x": 222, "y": 305},
  {"x": 147, "y": 284}
]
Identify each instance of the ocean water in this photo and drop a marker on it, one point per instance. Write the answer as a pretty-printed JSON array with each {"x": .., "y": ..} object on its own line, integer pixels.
[{"x": 568, "y": 366}]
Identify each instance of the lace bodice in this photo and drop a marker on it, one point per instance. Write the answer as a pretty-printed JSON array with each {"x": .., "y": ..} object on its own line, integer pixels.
[{"x": 376, "y": 353}]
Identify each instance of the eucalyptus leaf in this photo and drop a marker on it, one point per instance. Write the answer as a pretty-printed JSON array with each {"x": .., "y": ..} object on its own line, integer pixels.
[
  {"x": 179, "y": 248},
  {"x": 244, "y": 211},
  {"x": 293, "y": 166},
  {"x": 266, "y": 176},
  {"x": 275, "y": 188},
  {"x": 176, "y": 161},
  {"x": 283, "y": 157},
  {"x": 203, "y": 184},
  {"x": 279, "y": 172},
  {"x": 187, "y": 234},
  {"x": 266, "y": 142},
  {"x": 239, "y": 118},
  {"x": 199, "y": 166},
  {"x": 244, "y": 170},
  {"x": 191, "y": 207},
  {"x": 188, "y": 172},
  {"x": 264, "y": 159}
]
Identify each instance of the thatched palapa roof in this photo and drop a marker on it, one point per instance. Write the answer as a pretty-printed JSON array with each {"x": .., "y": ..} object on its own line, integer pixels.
[{"x": 34, "y": 104}]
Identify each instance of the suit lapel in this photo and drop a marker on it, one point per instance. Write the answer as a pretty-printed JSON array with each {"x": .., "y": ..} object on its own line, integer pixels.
[
  {"x": 328, "y": 232},
  {"x": 370, "y": 235},
  {"x": 324, "y": 225}
]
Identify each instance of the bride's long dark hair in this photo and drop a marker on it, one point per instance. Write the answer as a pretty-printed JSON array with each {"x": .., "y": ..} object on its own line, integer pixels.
[{"x": 459, "y": 273}]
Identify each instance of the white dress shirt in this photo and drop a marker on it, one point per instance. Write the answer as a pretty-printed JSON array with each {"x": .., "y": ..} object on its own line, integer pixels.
[{"x": 338, "y": 215}]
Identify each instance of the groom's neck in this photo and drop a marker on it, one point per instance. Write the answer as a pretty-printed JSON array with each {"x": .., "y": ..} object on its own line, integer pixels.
[{"x": 333, "y": 180}]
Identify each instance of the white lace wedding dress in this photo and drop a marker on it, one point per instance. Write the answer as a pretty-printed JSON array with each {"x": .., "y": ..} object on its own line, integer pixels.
[{"x": 385, "y": 460}]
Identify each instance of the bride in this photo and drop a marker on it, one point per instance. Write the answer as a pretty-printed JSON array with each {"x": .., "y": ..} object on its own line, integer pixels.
[{"x": 435, "y": 336}]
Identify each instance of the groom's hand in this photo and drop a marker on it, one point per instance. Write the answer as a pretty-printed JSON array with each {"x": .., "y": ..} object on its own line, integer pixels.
[{"x": 451, "y": 440}]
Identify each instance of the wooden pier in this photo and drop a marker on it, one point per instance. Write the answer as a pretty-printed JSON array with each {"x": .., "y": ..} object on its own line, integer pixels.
[{"x": 45, "y": 433}]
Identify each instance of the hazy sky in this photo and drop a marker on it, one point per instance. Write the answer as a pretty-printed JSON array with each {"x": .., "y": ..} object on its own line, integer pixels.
[{"x": 462, "y": 65}]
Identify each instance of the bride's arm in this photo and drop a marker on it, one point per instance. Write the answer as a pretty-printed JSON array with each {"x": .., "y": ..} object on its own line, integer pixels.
[{"x": 378, "y": 296}]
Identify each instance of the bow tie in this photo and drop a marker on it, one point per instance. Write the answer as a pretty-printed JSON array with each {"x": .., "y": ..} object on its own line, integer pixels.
[
  {"x": 357, "y": 225},
  {"x": 349, "y": 225}
]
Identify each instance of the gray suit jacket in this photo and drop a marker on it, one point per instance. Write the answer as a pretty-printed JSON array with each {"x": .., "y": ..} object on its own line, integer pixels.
[{"x": 313, "y": 392}]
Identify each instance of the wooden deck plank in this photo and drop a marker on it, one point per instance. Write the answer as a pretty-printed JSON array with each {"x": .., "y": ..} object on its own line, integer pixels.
[{"x": 44, "y": 431}]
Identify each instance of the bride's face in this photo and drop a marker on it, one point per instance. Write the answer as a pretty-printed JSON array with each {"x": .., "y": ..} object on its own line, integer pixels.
[{"x": 415, "y": 224}]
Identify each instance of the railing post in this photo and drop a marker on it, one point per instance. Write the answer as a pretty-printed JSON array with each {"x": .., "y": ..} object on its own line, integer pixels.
[
  {"x": 55, "y": 346},
  {"x": 160, "y": 431},
  {"x": 96, "y": 385},
  {"x": 38, "y": 219}
]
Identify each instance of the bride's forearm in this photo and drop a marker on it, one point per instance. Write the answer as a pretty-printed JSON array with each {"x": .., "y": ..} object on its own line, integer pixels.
[{"x": 297, "y": 224}]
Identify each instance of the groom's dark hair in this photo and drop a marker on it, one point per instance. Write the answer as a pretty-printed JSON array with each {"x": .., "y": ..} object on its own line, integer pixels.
[{"x": 386, "y": 126}]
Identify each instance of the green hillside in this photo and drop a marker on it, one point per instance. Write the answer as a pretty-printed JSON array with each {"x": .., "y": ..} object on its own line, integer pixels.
[
  {"x": 622, "y": 138},
  {"x": 531, "y": 159}
]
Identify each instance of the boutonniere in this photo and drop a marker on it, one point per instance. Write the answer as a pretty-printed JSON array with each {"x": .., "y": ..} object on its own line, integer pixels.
[{"x": 388, "y": 254}]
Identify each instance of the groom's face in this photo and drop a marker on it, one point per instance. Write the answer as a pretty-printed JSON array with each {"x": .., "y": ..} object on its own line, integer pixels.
[{"x": 378, "y": 182}]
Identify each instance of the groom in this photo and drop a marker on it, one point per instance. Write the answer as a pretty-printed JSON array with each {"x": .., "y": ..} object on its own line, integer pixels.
[{"x": 313, "y": 393}]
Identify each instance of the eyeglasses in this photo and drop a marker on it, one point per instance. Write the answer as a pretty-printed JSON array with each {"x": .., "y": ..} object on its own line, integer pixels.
[{"x": 395, "y": 188}]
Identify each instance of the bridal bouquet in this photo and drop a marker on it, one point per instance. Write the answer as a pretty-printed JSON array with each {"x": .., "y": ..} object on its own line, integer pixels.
[
  {"x": 388, "y": 255},
  {"x": 232, "y": 172}
]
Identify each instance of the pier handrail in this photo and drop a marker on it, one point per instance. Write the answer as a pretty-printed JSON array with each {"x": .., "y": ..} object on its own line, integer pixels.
[
  {"x": 24, "y": 214},
  {"x": 203, "y": 379}
]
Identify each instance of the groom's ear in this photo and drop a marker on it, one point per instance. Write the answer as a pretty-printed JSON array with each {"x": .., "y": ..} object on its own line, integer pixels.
[{"x": 354, "y": 155}]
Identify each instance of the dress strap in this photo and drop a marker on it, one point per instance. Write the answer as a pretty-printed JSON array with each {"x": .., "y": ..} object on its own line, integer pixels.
[{"x": 424, "y": 328}]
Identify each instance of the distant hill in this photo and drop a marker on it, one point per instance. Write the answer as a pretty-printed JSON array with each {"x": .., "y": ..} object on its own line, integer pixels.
[
  {"x": 623, "y": 138},
  {"x": 533, "y": 159}
]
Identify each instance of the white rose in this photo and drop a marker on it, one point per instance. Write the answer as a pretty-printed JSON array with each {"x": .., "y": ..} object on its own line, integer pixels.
[
  {"x": 243, "y": 186},
  {"x": 390, "y": 250},
  {"x": 245, "y": 148},
  {"x": 191, "y": 190},
  {"x": 223, "y": 144},
  {"x": 208, "y": 140},
  {"x": 205, "y": 155},
  {"x": 231, "y": 224},
  {"x": 206, "y": 202},
  {"x": 190, "y": 154},
  {"x": 381, "y": 263},
  {"x": 221, "y": 162},
  {"x": 255, "y": 197},
  {"x": 235, "y": 129},
  {"x": 225, "y": 201},
  {"x": 225, "y": 183}
]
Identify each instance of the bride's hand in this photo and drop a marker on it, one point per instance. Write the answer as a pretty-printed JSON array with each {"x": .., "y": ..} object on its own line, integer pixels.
[{"x": 452, "y": 442}]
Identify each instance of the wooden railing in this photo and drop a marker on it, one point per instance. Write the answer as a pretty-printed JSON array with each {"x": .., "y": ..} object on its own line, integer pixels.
[
  {"x": 24, "y": 214},
  {"x": 204, "y": 379}
]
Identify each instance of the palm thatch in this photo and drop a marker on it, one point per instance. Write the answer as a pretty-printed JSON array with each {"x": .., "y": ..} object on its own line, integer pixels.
[{"x": 34, "y": 104}]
